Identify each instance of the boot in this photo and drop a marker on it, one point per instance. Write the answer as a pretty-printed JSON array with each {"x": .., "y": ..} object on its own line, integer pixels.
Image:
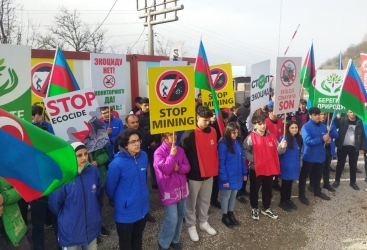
[
  {"x": 233, "y": 219},
  {"x": 226, "y": 221}
]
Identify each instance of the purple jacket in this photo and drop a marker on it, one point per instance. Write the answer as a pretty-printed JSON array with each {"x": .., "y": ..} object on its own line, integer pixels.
[{"x": 172, "y": 185}]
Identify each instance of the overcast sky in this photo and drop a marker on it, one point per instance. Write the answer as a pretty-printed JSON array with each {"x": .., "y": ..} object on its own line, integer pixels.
[{"x": 241, "y": 32}]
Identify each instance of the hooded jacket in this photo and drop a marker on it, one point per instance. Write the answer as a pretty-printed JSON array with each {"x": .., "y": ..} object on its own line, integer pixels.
[
  {"x": 232, "y": 167},
  {"x": 172, "y": 184},
  {"x": 77, "y": 209},
  {"x": 126, "y": 186}
]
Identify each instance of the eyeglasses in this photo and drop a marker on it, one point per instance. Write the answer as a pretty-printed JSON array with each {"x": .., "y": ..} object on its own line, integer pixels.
[{"x": 135, "y": 141}]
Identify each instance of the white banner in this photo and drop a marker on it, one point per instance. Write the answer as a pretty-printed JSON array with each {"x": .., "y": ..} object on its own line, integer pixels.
[
  {"x": 75, "y": 117},
  {"x": 260, "y": 84},
  {"x": 287, "y": 85},
  {"x": 108, "y": 72},
  {"x": 176, "y": 51}
]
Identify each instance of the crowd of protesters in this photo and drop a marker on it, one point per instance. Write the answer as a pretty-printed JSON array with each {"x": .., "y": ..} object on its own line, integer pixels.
[{"x": 190, "y": 169}]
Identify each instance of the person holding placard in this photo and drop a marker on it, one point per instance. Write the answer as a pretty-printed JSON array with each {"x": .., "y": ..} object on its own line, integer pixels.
[{"x": 171, "y": 166}]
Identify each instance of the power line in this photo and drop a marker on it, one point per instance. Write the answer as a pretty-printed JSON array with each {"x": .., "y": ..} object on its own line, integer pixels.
[
  {"x": 138, "y": 39},
  {"x": 103, "y": 20}
]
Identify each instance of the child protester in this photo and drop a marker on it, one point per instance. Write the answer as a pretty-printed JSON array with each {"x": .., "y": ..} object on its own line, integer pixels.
[
  {"x": 261, "y": 150},
  {"x": 232, "y": 170},
  {"x": 171, "y": 166},
  {"x": 290, "y": 164}
]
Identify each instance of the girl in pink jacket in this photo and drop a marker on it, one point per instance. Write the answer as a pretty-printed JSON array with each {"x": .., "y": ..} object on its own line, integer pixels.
[{"x": 171, "y": 166}]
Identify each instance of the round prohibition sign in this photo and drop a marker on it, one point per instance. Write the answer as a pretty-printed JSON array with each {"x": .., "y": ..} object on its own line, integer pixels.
[
  {"x": 288, "y": 73},
  {"x": 40, "y": 74},
  {"x": 220, "y": 78},
  {"x": 172, "y": 87},
  {"x": 109, "y": 81}
]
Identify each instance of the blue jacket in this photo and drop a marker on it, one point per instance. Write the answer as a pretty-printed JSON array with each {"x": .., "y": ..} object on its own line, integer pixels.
[
  {"x": 290, "y": 161},
  {"x": 47, "y": 125},
  {"x": 232, "y": 167},
  {"x": 77, "y": 208},
  {"x": 313, "y": 143},
  {"x": 117, "y": 127},
  {"x": 126, "y": 186},
  {"x": 332, "y": 143}
]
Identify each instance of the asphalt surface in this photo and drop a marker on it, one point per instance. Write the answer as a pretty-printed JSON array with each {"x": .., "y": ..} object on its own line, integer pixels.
[{"x": 336, "y": 224}]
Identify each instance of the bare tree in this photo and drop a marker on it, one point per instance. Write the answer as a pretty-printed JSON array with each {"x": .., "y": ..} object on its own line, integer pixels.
[
  {"x": 8, "y": 22},
  {"x": 70, "y": 32}
]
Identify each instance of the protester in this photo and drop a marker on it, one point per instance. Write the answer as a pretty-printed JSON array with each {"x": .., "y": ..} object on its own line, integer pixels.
[
  {"x": 225, "y": 117},
  {"x": 99, "y": 159},
  {"x": 233, "y": 116},
  {"x": 200, "y": 146},
  {"x": 263, "y": 111},
  {"x": 315, "y": 134},
  {"x": 137, "y": 107},
  {"x": 199, "y": 100},
  {"x": 351, "y": 141},
  {"x": 12, "y": 227},
  {"x": 302, "y": 115},
  {"x": 38, "y": 117},
  {"x": 329, "y": 153},
  {"x": 76, "y": 205},
  {"x": 243, "y": 113},
  {"x": 232, "y": 170},
  {"x": 264, "y": 165},
  {"x": 289, "y": 164},
  {"x": 126, "y": 187},
  {"x": 114, "y": 127},
  {"x": 171, "y": 167}
]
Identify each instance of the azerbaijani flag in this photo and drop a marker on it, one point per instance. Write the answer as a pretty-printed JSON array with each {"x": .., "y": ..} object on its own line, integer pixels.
[
  {"x": 352, "y": 95},
  {"x": 33, "y": 161},
  {"x": 308, "y": 73},
  {"x": 62, "y": 79},
  {"x": 203, "y": 80}
]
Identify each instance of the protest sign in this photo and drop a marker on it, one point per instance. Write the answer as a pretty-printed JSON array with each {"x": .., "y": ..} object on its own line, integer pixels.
[
  {"x": 15, "y": 91},
  {"x": 171, "y": 99},
  {"x": 223, "y": 85},
  {"x": 108, "y": 72},
  {"x": 260, "y": 84},
  {"x": 327, "y": 89},
  {"x": 176, "y": 51},
  {"x": 75, "y": 117},
  {"x": 286, "y": 92},
  {"x": 364, "y": 69}
]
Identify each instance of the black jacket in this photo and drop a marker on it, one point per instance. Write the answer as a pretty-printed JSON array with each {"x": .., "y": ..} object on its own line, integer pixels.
[
  {"x": 188, "y": 144},
  {"x": 360, "y": 139}
]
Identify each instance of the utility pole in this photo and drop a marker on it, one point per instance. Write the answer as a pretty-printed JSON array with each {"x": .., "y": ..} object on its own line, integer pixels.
[{"x": 151, "y": 14}]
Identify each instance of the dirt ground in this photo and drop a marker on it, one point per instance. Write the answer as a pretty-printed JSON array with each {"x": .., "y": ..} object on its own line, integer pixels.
[{"x": 336, "y": 224}]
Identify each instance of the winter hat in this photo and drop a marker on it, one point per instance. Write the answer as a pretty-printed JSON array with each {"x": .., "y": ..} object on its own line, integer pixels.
[{"x": 77, "y": 146}]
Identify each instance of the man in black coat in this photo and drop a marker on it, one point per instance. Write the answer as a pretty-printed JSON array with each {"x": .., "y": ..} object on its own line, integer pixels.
[{"x": 351, "y": 141}]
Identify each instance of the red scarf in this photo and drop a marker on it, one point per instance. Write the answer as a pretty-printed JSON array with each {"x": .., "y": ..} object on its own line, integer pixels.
[
  {"x": 206, "y": 147},
  {"x": 266, "y": 161}
]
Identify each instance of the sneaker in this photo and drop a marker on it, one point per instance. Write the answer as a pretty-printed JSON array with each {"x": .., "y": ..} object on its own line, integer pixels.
[
  {"x": 354, "y": 186},
  {"x": 242, "y": 199},
  {"x": 310, "y": 188},
  {"x": 336, "y": 184},
  {"x": 176, "y": 246},
  {"x": 285, "y": 206},
  {"x": 216, "y": 204},
  {"x": 270, "y": 213},
  {"x": 292, "y": 205},
  {"x": 255, "y": 214},
  {"x": 150, "y": 218},
  {"x": 304, "y": 200},
  {"x": 193, "y": 233},
  {"x": 99, "y": 241},
  {"x": 330, "y": 188},
  {"x": 206, "y": 227},
  {"x": 104, "y": 232},
  {"x": 323, "y": 196},
  {"x": 359, "y": 171}
]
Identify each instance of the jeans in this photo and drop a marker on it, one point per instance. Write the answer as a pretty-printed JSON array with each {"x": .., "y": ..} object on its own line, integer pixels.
[
  {"x": 317, "y": 174},
  {"x": 5, "y": 244},
  {"x": 267, "y": 186},
  {"x": 39, "y": 209},
  {"x": 353, "y": 158},
  {"x": 228, "y": 200},
  {"x": 131, "y": 235},
  {"x": 90, "y": 246},
  {"x": 172, "y": 224}
]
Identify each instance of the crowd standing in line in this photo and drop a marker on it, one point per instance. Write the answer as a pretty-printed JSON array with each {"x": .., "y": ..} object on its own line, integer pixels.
[{"x": 189, "y": 169}]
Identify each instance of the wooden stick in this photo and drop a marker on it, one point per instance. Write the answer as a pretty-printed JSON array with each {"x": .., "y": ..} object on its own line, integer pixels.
[
  {"x": 90, "y": 157},
  {"x": 173, "y": 140},
  {"x": 285, "y": 123},
  {"x": 109, "y": 117}
]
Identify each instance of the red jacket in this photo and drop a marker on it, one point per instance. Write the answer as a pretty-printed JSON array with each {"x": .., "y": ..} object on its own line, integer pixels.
[{"x": 276, "y": 129}]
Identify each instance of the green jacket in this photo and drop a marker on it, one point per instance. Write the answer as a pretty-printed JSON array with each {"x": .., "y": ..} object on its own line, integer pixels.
[
  {"x": 12, "y": 220},
  {"x": 101, "y": 156}
]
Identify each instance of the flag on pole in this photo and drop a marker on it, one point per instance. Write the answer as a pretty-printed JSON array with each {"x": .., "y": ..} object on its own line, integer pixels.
[
  {"x": 353, "y": 95},
  {"x": 203, "y": 80},
  {"x": 340, "y": 63},
  {"x": 308, "y": 73},
  {"x": 62, "y": 79},
  {"x": 33, "y": 161}
]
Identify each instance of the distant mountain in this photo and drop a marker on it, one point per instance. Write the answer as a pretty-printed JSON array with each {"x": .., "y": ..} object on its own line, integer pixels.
[{"x": 352, "y": 52}]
